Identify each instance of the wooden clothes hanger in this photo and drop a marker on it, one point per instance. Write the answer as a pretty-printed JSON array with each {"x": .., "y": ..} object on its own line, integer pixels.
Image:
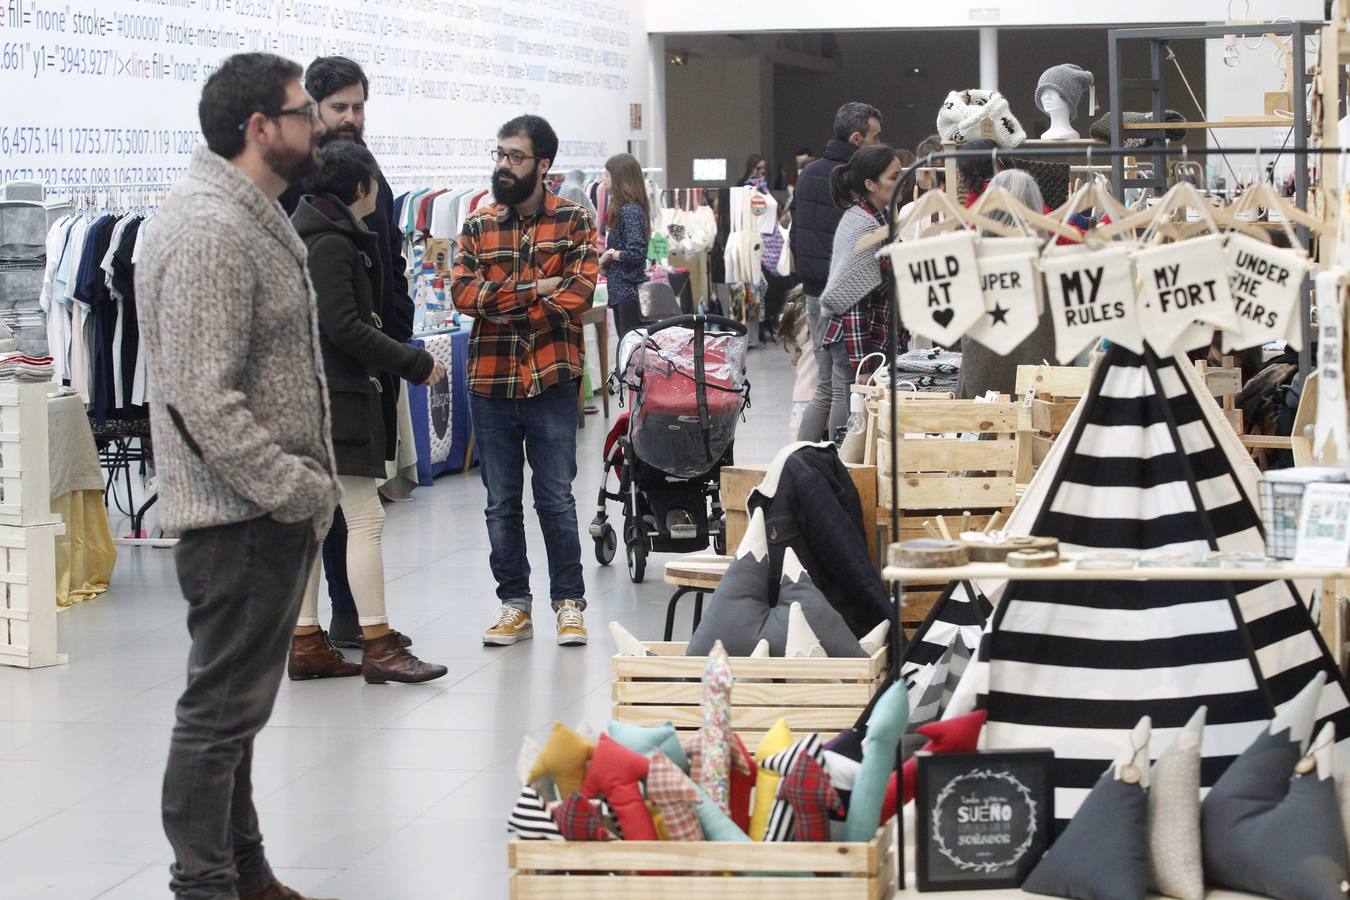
[
  {"x": 998, "y": 198},
  {"x": 1091, "y": 195},
  {"x": 1262, "y": 194},
  {"x": 1182, "y": 196}
]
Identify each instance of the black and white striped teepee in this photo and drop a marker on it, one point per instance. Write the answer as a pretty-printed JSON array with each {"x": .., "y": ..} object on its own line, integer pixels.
[
  {"x": 1145, "y": 464},
  {"x": 937, "y": 656}
]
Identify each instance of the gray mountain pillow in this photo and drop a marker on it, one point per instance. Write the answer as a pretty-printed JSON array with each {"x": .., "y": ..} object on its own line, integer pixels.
[
  {"x": 1267, "y": 835},
  {"x": 738, "y": 613},
  {"x": 1176, "y": 864},
  {"x": 1103, "y": 853}
]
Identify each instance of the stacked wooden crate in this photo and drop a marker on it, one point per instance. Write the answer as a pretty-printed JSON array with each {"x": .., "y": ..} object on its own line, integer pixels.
[
  {"x": 28, "y": 531},
  {"x": 955, "y": 457}
]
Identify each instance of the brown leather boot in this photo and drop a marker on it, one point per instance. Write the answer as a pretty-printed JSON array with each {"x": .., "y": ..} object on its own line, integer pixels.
[
  {"x": 384, "y": 660},
  {"x": 275, "y": 891},
  {"x": 313, "y": 657}
]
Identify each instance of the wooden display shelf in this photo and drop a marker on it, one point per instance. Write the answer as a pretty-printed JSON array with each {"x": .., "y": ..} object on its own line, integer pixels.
[
  {"x": 1235, "y": 122},
  {"x": 575, "y": 870},
  {"x": 1068, "y": 571}
]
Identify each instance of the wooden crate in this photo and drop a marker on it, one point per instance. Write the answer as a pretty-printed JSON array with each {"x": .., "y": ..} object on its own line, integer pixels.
[
  {"x": 739, "y": 481},
  {"x": 1049, "y": 395},
  {"x": 933, "y": 472},
  {"x": 609, "y": 870},
  {"x": 814, "y": 695},
  {"x": 28, "y": 596}
]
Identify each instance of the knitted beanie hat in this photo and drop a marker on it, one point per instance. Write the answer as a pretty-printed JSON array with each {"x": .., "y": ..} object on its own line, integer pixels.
[{"x": 1067, "y": 80}]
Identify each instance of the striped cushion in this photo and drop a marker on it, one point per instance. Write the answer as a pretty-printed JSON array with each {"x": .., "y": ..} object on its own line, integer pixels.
[
  {"x": 782, "y": 818},
  {"x": 530, "y": 819}
]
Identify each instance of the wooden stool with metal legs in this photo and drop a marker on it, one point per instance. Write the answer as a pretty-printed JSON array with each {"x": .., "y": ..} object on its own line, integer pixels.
[{"x": 697, "y": 574}]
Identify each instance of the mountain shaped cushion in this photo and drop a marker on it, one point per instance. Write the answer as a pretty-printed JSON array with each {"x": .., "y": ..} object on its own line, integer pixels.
[
  {"x": 1103, "y": 853},
  {"x": 739, "y": 615},
  {"x": 1266, "y": 834},
  {"x": 1176, "y": 862}
]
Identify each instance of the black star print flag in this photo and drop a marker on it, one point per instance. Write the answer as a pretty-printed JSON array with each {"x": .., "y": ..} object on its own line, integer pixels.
[{"x": 1010, "y": 286}]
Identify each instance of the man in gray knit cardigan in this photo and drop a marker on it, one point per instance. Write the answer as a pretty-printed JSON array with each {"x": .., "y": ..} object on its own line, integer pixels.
[{"x": 239, "y": 416}]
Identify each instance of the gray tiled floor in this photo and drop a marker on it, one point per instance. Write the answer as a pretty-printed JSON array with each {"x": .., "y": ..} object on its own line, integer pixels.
[{"x": 396, "y": 791}]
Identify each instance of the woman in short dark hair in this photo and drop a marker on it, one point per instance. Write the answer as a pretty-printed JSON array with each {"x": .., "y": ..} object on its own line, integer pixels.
[{"x": 344, "y": 265}]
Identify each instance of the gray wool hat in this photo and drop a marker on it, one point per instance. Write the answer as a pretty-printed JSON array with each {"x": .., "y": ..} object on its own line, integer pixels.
[{"x": 1069, "y": 81}]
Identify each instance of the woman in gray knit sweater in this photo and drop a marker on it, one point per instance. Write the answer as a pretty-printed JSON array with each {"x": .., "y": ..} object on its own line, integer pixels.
[{"x": 850, "y": 317}]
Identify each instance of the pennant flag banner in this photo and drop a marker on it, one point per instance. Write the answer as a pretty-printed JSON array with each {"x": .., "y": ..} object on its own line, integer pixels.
[
  {"x": 1091, "y": 294},
  {"x": 1179, "y": 285},
  {"x": 1331, "y": 433},
  {"x": 1011, "y": 288},
  {"x": 1265, "y": 281},
  {"x": 937, "y": 285}
]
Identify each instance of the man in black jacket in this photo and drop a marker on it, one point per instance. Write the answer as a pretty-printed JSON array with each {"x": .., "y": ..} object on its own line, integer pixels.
[
  {"x": 814, "y": 215},
  {"x": 340, "y": 87},
  {"x": 814, "y": 220}
]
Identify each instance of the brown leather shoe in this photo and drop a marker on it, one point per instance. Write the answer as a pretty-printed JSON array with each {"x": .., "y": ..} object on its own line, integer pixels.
[
  {"x": 275, "y": 891},
  {"x": 313, "y": 657},
  {"x": 384, "y": 660}
]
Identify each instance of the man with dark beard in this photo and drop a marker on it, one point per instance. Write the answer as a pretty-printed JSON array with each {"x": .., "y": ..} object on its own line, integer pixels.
[
  {"x": 525, "y": 270},
  {"x": 341, "y": 89},
  {"x": 246, "y": 469}
]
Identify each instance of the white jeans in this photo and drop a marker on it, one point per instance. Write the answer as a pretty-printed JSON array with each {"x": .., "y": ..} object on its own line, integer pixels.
[{"x": 365, "y": 560}]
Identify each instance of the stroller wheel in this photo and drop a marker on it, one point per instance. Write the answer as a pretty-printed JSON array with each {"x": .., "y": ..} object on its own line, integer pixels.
[
  {"x": 637, "y": 562},
  {"x": 606, "y": 544}
]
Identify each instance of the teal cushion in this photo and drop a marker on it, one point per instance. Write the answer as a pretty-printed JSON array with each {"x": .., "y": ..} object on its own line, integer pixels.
[
  {"x": 717, "y": 825},
  {"x": 646, "y": 738},
  {"x": 884, "y": 729}
]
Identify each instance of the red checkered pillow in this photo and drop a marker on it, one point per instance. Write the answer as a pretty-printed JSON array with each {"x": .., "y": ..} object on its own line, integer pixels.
[{"x": 579, "y": 820}]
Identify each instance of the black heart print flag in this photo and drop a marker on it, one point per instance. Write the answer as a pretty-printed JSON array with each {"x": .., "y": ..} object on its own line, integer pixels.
[{"x": 937, "y": 285}]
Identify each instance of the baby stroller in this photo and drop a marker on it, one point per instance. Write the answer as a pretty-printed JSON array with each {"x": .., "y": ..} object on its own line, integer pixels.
[{"x": 685, "y": 380}]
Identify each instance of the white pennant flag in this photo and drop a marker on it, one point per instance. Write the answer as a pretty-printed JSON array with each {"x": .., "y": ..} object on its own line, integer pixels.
[
  {"x": 937, "y": 285},
  {"x": 1010, "y": 284},
  {"x": 1331, "y": 417},
  {"x": 1182, "y": 284},
  {"x": 1091, "y": 295},
  {"x": 1265, "y": 281}
]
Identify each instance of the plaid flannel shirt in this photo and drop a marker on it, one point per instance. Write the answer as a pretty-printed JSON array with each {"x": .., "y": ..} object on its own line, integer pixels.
[
  {"x": 524, "y": 342},
  {"x": 863, "y": 328}
]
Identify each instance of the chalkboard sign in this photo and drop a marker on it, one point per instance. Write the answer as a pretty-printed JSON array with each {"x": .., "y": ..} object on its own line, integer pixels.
[{"x": 984, "y": 818}]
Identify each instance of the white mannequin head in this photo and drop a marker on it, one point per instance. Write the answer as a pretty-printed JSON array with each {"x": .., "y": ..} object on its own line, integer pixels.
[{"x": 1058, "y": 110}]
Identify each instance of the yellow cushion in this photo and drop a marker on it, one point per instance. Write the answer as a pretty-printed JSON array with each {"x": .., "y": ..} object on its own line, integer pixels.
[
  {"x": 775, "y": 740},
  {"x": 662, "y": 832},
  {"x": 564, "y": 757}
]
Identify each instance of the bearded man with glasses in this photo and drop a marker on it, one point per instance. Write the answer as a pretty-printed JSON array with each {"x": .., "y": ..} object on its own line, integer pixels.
[
  {"x": 246, "y": 468},
  {"x": 525, "y": 270}
]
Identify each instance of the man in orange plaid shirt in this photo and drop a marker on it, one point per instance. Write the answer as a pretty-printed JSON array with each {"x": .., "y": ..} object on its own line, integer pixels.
[{"x": 525, "y": 270}]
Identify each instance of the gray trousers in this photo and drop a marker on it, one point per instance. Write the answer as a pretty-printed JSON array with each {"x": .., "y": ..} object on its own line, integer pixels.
[
  {"x": 828, "y": 410},
  {"x": 243, "y": 585}
]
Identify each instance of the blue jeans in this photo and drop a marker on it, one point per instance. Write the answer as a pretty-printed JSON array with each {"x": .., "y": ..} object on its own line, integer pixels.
[{"x": 542, "y": 430}]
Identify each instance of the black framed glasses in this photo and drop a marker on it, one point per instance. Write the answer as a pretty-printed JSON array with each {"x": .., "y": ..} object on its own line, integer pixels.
[
  {"x": 309, "y": 111},
  {"x": 515, "y": 156}
]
